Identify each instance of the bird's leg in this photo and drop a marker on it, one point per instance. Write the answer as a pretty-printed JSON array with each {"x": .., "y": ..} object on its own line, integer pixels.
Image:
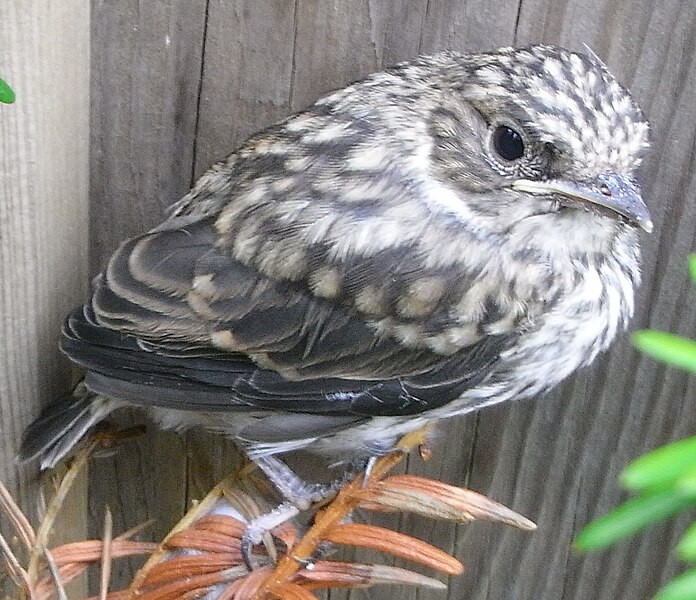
[
  {"x": 377, "y": 449},
  {"x": 294, "y": 489},
  {"x": 299, "y": 496},
  {"x": 257, "y": 531}
]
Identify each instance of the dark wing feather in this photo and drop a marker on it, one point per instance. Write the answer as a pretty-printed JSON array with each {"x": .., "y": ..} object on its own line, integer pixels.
[{"x": 120, "y": 367}]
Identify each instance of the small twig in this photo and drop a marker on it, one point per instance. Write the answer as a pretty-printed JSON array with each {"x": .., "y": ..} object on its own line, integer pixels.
[
  {"x": 437, "y": 500},
  {"x": 15, "y": 570},
  {"x": 20, "y": 523},
  {"x": 53, "y": 569},
  {"x": 44, "y": 531},
  {"x": 203, "y": 551},
  {"x": 106, "y": 555},
  {"x": 133, "y": 531},
  {"x": 327, "y": 573},
  {"x": 396, "y": 544}
]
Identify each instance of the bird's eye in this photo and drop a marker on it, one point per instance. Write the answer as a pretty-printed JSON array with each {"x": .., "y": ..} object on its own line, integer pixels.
[{"x": 507, "y": 143}]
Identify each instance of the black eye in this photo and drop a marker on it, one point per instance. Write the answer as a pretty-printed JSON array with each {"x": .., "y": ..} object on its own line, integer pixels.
[{"x": 508, "y": 143}]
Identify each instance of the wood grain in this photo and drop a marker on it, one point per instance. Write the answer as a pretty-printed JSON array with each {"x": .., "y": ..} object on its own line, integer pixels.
[
  {"x": 44, "y": 135},
  {"x": 146, "y": 77},
  {"x": 164, "y": 110}
]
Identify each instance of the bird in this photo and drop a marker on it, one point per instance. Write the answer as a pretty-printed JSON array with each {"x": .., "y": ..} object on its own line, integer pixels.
[{"x": 456, "y": 231}]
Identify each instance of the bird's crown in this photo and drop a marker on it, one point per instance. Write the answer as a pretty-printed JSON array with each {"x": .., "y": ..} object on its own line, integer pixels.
[{"x": 569, "y": 100}]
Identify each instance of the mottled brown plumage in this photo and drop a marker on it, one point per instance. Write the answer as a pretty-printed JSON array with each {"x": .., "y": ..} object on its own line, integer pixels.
[{"x": 451, "y": 233}]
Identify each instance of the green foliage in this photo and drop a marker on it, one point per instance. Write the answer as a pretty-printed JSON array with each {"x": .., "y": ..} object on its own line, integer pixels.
[
  {"x": 661, "y": 468},
  {"x": 632, "y": 516},
  {"x": 680, "y": 588},
  {"x": 687, "y": 546},
  {"x": 667, "y": 347},
  {"x": 663, "y": 480},
  {"x": 7, "y": 96}
]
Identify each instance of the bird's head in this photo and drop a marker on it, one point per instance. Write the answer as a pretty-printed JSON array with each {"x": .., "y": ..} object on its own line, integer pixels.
[{"x": 545, "y": 133}]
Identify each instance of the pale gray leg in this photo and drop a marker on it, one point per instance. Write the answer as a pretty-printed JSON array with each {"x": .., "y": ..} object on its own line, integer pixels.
[
  {"x": 299, "y": 496},
  {"x": 294, "y": 489}
]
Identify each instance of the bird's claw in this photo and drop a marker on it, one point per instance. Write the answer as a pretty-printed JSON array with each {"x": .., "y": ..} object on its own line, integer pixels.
[
  {"x": 253, "y": 535},
  {"x": 258, "y": 531},
  {"x": 371, "y": 462}
]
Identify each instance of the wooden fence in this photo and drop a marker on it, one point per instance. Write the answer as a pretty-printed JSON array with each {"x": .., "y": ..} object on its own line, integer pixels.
[
  {"x": 177, "y": 85},
  {"x": 44, "y": 192}
]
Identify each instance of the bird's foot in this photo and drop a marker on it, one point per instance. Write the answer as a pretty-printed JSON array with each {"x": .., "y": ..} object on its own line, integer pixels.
[
  {"x": 299, "y": 496},
  {"x": 258, "y": 531}
]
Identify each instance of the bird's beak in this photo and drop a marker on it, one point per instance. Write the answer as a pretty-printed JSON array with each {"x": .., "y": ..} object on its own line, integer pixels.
[{"x": 618, "y": 193}]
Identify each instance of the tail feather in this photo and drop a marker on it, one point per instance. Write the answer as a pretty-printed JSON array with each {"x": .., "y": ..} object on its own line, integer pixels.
[{"x": 61, "y": 426}]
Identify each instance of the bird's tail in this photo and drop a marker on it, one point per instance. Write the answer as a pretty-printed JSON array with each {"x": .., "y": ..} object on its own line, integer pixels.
[{"x": 62, "y": 424}]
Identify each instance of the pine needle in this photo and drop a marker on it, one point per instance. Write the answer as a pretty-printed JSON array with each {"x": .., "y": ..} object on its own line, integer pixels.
[{"x": 106, "y": 555}]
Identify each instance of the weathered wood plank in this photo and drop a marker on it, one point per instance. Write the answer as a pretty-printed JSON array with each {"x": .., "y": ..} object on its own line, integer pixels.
[
  {"x": 339, "y": 42},
  {"x": 146, "y": 59},
  {"x": 146, "y": 71},
  {"x": 247, "y": 74},
  {"x": 469, "y": 26},
  {"x": 44, "y": 55},
  {"x": 43, "y": 229}
]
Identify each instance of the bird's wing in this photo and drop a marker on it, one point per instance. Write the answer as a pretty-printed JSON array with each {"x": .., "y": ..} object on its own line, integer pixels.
[
  {"x": 175, "y": 321},
  {"x": 175, "y": 287},
  {"x": 176, "y": 377}
]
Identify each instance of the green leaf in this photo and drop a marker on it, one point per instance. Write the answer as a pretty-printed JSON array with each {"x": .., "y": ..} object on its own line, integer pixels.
[
  {"x": 680, "y": 588},
  {"x": 667, "y": 347},
  {"x": 692, "y": 267},
  {"x": 687, "y": 482},
  {"x": 662, "y": 467},
  {"x": 687, "y": 546},
  {"x": 7, "y": 96},
  {"x": 632, "y": 516}
]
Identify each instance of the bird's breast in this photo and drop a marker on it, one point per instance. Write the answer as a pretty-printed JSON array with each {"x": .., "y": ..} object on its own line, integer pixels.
[{"x": 583, "y": 321}]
